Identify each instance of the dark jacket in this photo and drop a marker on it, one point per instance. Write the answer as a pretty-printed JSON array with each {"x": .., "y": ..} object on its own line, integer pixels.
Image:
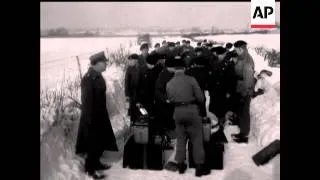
[
  {"x": 244, "y": 69},
  {"x": 201, "y": 74},
  {"x": 131, "y": 82},
  {"x": 95, "y": 130},
  {"x": 146, "y": 89}
]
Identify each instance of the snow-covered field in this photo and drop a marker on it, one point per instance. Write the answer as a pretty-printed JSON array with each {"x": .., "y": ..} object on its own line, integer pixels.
[{"x": 238, "y": 163}]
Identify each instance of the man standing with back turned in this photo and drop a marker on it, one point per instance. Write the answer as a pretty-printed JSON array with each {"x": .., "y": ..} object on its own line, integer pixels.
[{"x": 185, "y": 93}]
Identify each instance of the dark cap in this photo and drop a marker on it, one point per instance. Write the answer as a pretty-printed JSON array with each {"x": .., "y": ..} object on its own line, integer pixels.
[
  {"x": 171, "y": 44},
  {"x": 157, "y": 44},
  {"x": 188, "y": 42},
  {"x": 98, "y": 57},
  {"x": 239, "y": 43},
  {"x": 205, "y": 40},
  {"x": 178, "y": 62},
  {"x": 198, "y": 43},
  {"x": 229, "y": 45},
  {"x": 133, "y": 57},
  {"x": 184, "y": 41},
  {"x": 144, "y": 46},
  {"x": 178, "y": 42},
  {"x": 221, "y": 50}
]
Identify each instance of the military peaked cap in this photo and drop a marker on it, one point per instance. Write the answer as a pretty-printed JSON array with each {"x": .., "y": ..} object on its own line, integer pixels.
[
  {"x": 157, "y": 44},
  {"x": 239, "y": 43},
  {"x": 178, "y": 62},
  {"x": 98, "y": 57},
  {"x": 171, "y": 44},
  {"x": 143, "y": 46}
]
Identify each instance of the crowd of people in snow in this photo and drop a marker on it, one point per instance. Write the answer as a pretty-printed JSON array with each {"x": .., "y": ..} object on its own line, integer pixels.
[{"x": 169, "y": 83}]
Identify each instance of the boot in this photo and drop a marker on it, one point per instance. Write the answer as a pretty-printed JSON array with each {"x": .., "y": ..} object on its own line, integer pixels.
[
  {"x": 182, "y": 167},
  {"x": 100, "y": 166},
  {"x": 171, "y": 166},
  {"x": 201, "y": 170},
  {"x": 96, "y": 175}
]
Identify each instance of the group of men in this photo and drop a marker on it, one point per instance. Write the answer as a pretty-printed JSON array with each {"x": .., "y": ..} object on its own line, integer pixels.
[{"x": 170, "y": 83}]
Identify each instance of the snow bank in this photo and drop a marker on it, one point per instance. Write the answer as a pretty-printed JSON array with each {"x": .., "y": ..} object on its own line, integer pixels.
[{"x": 265, "y": 113}]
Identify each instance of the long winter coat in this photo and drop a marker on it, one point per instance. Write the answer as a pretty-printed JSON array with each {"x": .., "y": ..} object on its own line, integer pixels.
[{"x": 95, "y": 130}]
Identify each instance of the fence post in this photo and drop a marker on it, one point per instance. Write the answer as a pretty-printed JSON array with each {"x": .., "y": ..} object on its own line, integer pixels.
[{"x": 79, "y": 67}]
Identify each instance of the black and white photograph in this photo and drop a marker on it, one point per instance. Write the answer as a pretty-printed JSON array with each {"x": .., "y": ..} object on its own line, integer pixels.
[{"x": 159, "y": 91}]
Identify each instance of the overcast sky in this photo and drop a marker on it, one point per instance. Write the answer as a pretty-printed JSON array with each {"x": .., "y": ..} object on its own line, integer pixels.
[{"x": 226, "y": 15}]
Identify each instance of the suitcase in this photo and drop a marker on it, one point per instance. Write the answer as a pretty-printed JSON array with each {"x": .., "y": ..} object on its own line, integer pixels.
[
  {"x": 142, "y": 156},
  {"x": 214, "y": 151},
  {"x": 140, "y": 127}
]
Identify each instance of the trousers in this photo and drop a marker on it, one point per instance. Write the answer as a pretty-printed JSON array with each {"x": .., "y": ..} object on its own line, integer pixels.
[{"x": 189, "y": 126}]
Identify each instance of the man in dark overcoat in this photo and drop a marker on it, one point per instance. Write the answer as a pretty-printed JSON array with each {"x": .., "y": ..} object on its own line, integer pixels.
[
  {"x": 244, "y": 69},
  {"x": 132, "y": 77},
  {"x": 95, "y": 134}
]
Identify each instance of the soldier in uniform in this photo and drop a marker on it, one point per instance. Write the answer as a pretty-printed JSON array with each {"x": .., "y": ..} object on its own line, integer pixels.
[
  {"x": 146, "y": 93},
  {"x": 184, "y": 43},
  {"x": 244, "y": 69},
  {"x": 132, "y": 77},
  {"x": 156, "y": 48},
  {"x": 188, "y": 58},
  {"x": 222, "y": 85},
  {"x": 95, "y": 134},
  {"x": 198, "y": 44},
  {"x": 185, "y": 93}
]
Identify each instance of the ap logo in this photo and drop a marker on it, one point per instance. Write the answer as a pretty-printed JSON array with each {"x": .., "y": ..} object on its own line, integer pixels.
[{"x": 263, "y": 14}]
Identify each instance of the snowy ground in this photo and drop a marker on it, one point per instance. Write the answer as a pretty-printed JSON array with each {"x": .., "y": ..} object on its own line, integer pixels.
[{"x": 238, "y": 163}]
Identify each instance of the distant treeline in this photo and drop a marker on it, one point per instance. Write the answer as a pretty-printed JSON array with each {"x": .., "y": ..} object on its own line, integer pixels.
[{"x": 63, "y": 32}]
